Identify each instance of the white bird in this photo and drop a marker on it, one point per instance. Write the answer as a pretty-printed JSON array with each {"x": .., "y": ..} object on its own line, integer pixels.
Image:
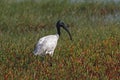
[{"x": 46, "y": 45}]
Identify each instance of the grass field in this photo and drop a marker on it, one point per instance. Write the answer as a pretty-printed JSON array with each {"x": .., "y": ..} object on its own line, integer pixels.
[{"x": 94, "y": 53}]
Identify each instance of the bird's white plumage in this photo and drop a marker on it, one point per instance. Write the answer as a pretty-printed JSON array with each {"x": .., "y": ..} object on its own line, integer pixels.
[{"x": 46, "y": 45}]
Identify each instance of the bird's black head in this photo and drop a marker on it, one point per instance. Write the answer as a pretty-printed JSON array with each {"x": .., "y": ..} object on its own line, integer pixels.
[{"x": 62, "y": 24}]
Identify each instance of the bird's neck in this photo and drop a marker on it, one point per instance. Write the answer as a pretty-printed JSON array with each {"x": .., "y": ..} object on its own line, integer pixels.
[
  {"x": 58, "y": 31},
  {"x": 57, "y": 35}
]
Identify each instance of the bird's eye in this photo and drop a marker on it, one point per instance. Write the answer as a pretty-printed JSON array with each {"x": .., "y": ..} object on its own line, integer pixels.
[{"x": 62, "y": 24}]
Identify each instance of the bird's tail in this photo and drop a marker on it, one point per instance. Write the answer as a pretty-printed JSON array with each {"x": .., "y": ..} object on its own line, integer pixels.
[{"x": 35, "y": 52}]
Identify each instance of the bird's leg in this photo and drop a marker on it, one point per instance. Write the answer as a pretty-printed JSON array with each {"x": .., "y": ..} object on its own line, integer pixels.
[
  {"x": 42, "y": 60},
  {"x": 49, "y": 59}
]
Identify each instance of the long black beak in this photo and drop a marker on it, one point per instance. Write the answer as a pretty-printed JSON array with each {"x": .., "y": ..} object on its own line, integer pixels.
[{"x": 66, "y": 28}]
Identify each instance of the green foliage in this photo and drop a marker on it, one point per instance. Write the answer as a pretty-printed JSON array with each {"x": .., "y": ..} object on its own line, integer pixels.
[{"x": 93, "y": 54}]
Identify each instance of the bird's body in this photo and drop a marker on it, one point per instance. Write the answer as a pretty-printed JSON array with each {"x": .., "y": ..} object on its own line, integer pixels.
[{"x": 46, "y": 45}]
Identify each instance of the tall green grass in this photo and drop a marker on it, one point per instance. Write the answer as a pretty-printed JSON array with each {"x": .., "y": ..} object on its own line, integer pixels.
[{"x": 93, "y": 54}]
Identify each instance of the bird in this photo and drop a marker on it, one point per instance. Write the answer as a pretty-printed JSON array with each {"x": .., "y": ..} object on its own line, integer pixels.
[{"x": 46, "y": 45}]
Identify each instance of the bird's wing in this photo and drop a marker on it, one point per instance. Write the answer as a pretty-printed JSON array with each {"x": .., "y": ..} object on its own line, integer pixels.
[{"x": 39, "y": 46}]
